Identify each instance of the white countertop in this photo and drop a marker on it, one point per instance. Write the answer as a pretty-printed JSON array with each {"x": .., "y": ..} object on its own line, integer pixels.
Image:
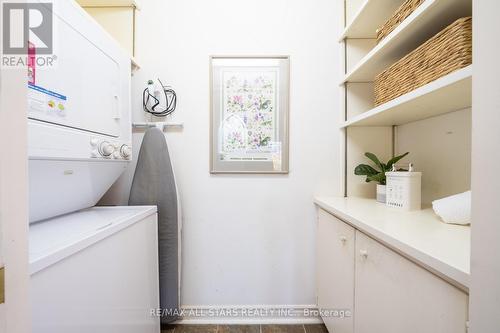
[
  {"x": 55, "y": 239},
  {"x": 419, "y": 235}
]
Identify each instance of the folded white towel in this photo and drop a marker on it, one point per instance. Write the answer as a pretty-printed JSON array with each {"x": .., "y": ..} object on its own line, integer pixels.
[{"x": 454, "y": 209}]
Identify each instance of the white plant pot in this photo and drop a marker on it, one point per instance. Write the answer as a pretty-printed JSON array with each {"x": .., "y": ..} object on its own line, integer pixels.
[{"x": 381, "y": 193}]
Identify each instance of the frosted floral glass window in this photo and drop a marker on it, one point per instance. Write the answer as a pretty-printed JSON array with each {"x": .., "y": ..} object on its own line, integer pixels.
[{"x": 249, "y": 115}]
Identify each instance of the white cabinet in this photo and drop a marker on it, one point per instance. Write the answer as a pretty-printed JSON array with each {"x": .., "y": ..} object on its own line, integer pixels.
[
  {"x": 394, "y": 295},
  {"x": 118, "y": 17},
  {"x": 335, "y": 271},
  {"x": 385, "y": 291}
]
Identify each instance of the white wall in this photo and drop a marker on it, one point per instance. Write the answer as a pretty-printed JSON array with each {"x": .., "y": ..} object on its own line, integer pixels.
[
  {"x": 485, "y": 264},
  {"x": 247, "y": 240},
  {"x": 446, "y": 168}
]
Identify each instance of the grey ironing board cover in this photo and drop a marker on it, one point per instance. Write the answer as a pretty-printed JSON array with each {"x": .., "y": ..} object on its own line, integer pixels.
[{"x": 154, "y": 184}]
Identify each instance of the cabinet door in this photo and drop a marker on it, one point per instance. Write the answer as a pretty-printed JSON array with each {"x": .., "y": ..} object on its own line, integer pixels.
[
  {"x": 335, "y": 272},
  {"x": 394, "y": 295}
]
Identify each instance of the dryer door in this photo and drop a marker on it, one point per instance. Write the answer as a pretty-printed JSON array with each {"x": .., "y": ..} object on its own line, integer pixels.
[{"x": 84, "y": 87}]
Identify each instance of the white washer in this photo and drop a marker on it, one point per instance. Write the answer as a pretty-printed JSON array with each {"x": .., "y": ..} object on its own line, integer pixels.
[{"x": 95, "y": 270}]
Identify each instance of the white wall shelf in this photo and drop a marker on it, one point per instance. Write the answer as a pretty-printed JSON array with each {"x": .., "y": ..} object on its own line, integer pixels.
[
  {"x": 449, "y": 93},
  {"x": 427, "y": 20},
  {"x": 419, "y": 235},
  {"x": 371, "y": 15}
]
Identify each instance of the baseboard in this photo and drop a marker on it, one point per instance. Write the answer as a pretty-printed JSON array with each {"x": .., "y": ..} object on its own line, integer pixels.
[{"x": 251, "y": 314}]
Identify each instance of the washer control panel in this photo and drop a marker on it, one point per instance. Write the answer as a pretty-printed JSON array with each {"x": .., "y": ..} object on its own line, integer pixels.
[{"x": 109, "y": 149}]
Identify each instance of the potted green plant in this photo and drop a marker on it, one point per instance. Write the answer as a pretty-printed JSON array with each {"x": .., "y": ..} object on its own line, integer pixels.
[{"x": 377, "y": 173}]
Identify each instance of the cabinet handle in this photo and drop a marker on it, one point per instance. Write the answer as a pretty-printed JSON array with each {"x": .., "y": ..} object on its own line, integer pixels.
[
  {"x": 343, "y": 239},
  {"x": 363, "y": 254}
]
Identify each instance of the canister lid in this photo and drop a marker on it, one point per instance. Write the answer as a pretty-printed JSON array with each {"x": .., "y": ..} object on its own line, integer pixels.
[{"x": 404, "y": 174}]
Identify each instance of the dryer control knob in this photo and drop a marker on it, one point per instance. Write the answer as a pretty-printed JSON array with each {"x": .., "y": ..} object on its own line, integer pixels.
[
  {"x": 106, "y": 149},
  {"x": 94, "y": 142},
  {"x": 126, "y": 151}
]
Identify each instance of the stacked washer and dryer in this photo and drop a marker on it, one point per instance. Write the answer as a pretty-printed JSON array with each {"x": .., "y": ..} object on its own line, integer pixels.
[{"x": 93, "y": 269}]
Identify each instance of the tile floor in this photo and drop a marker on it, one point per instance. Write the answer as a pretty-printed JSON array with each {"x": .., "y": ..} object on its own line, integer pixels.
[{"x": 309, "y": 328}]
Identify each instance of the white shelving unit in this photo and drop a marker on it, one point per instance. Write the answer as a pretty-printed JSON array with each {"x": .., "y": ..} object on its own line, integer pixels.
[
  {"x": 440, "y": 110},
  {"x": 367, "y": 127},
  {"x": 446, "y": 94},
  {"x": 365, "y": 242},
  {"x": 428, "y": 19},
  {"x": 370, "y": 16}
]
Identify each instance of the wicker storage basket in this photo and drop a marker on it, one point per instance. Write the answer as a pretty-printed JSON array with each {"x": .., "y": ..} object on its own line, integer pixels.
[
  {"x": 446, "y": 52},
  {"x": 399, "y": 16}
]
